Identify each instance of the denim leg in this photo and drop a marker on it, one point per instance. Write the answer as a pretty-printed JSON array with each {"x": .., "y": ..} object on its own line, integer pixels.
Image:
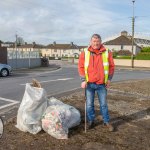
[
  {"x": 100, "y": 112},
  {"x": 90, "y": 93},
  {"x": 102, "y": 93}
]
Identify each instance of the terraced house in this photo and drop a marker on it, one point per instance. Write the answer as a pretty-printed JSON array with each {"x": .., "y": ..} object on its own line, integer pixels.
[{"x": 62, "y": 50}]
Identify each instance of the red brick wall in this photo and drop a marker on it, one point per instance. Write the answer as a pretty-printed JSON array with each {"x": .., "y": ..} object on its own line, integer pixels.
[{"x": 3, "y": 55}]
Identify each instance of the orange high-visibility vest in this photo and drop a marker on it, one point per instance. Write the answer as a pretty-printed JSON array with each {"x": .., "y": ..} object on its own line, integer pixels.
[{"x": 105, "y": 63}]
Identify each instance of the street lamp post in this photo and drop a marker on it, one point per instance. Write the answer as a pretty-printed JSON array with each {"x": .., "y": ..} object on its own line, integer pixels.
[
  {"x": 133, "y": 20},
  {"x": 16, "y": 50}
]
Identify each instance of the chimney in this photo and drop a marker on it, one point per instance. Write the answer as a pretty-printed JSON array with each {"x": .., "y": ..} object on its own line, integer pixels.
[
  {"x": 71, "y": 43},
  {"x": 34, "y": 43},
  {"x": 54, "y": 43},
  {"x": 25, "y": 43},
  {"x": 124, "y": 33}
]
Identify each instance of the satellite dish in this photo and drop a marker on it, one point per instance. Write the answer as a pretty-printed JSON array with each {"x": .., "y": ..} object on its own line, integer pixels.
[{"x": 1, "y": 127}]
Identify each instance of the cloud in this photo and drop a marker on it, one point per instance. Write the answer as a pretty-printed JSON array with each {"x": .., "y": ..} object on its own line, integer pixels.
[{"x": 63, "y": 21}]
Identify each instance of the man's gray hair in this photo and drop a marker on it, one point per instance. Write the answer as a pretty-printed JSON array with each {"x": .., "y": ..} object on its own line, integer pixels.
[{"x": 96, "y": 36}]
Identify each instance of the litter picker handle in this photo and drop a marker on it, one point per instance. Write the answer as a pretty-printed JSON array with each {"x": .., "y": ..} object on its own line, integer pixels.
[{"x": 85, "y": 109}]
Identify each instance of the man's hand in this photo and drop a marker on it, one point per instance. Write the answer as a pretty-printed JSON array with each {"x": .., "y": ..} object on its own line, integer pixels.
[
  {"x": 108, "y": 84},
  {"x": 83, "y": 84}
]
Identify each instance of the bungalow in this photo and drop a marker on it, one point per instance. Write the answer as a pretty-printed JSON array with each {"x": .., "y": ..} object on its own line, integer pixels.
[{"x": 123, "y": 42}]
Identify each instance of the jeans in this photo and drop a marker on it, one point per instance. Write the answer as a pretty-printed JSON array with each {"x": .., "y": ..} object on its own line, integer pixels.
[{"x": 90, "y": 94}]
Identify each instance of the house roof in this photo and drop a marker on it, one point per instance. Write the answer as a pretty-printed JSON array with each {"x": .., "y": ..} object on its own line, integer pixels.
[
  {"x": 12, "y": 46},
  {"x": 80, "y": 47},
  {"x": 8, "y": 42},
  {"x": 62, "y": 46},
  {"x": 121, "y": 40},
  {"x": 28, "y": 46},
  {"x": 31, "y": 46}
]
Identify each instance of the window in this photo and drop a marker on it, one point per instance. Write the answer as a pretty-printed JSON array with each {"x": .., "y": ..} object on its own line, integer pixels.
[
  {"x": 55, "y": 50},
  {"x": 121, "y": 46}
]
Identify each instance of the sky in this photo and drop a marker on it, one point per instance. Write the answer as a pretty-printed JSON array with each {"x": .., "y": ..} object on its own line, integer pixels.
[{"x": 65, "y": 21}]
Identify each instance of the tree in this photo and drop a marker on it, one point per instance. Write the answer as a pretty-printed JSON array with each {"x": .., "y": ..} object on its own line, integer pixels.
[{"x": 20, "y": 41}]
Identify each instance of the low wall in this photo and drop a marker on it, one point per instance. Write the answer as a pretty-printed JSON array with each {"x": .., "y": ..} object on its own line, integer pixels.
[
  {"x": 127, "y": 62},
  {"x": 137, "y": 63}
]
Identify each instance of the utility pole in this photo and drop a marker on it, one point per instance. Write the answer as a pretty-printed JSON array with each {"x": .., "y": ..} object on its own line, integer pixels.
[
  {"x": 133, "y": 20},
  {"x": 16, "y": 49}
]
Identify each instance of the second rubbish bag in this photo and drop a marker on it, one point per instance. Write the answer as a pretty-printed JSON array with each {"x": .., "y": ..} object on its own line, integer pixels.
[{"x": 59, "y": 117}]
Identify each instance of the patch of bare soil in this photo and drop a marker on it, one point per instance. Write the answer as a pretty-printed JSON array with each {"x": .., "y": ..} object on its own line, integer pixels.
[
  {"x": 140, "y": 87},
  {"x": 130, "y": 115}
]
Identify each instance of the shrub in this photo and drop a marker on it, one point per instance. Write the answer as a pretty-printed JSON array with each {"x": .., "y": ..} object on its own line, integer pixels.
[
  {"x": 124, "y": 53},
  {"x": 115, "y": 54},
  {"x": 51, "y": 58},
  {"x": 145, "y": 49}
]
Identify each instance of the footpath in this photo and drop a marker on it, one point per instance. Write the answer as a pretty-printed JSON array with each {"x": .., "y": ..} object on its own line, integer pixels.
[{"x": 51, "y": 67}]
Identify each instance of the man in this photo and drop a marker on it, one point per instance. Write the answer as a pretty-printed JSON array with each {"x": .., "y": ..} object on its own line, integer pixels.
[{"x": 96, "y": 69}]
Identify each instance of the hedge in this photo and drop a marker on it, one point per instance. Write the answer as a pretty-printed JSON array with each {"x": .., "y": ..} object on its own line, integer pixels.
[
  {"x": 143, "y": 56},
  {"x": 145, "y": 49}
]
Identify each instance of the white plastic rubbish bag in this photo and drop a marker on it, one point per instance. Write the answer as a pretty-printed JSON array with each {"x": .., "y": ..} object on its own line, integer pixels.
[
  {"x": 32, "y": 107},
  {"x": 58, "y": 118}
]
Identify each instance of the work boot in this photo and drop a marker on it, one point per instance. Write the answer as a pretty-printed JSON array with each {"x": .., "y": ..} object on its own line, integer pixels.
[
  {"x": 109, "y": 127},
  {"x": 90, "y": 124}
]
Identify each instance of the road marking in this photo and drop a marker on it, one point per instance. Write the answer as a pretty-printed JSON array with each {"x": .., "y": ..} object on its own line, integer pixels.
[
  {"x": 63, "y": 79},
  {"x": 12, "y": 102},
  {"x": 36, "y": 72},
  {"x": 45, "y": 72}
]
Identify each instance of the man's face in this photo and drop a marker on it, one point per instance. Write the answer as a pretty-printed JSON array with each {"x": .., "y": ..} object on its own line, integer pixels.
[{"x": 95, "y": 43}]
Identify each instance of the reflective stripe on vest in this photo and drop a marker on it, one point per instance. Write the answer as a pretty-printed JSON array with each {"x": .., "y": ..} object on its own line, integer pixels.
[{"x": 105, "y": 64}]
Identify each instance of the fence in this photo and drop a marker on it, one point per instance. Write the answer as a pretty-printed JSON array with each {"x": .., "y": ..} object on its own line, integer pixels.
[
  {"x": 23, "y": 59},
  {"x": 3, "y": 55}
]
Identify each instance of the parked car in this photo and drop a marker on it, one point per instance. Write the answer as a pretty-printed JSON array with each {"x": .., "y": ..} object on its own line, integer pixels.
[{"x": 5, "y": 70}]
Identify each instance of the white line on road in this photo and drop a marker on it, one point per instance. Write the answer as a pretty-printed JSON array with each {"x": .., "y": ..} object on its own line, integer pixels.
[
  {"x": 8, "y": 100},
  {"x": 45, "y": 72},
  {"x": 13, "y": 102},
  {"x": 63, "y": 79}
]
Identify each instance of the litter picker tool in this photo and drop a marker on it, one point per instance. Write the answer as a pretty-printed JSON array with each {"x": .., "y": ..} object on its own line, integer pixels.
[{"x": 85, "y": 109}]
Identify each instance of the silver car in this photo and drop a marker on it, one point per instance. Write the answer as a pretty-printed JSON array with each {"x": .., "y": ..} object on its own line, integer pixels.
[{"x": 5, "y": 70}]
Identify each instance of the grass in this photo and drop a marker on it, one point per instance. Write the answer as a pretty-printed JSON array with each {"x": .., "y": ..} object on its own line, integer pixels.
[{"x": 140, "y": 56}]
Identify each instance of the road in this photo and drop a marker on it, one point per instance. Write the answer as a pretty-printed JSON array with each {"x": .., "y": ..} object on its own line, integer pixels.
[{"x": 12, "y": 88}]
